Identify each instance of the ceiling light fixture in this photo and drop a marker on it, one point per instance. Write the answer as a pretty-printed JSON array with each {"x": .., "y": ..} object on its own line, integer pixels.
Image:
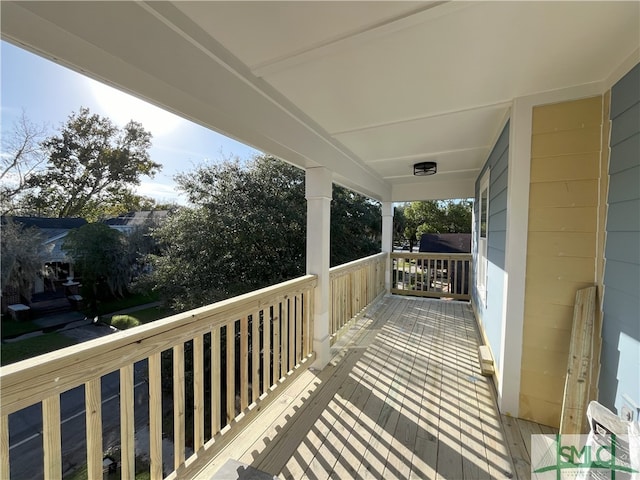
[{"x": 425, "y": 168}]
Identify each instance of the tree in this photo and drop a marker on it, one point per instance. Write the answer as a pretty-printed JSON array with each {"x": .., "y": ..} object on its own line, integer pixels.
[
  {"x": 21, "y": 257},
  {"x": 435, "y": 216},
  {"x": 21, "y": 157},
  {"x": 246, "y": 229},
  {"x": 99, "y": 255},
  {"x": 356, "y": 226},
  {"x": 92, "y": 165}
]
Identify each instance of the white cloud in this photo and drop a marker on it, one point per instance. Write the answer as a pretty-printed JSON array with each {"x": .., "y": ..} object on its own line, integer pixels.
[{"x": 121, "y": 108}]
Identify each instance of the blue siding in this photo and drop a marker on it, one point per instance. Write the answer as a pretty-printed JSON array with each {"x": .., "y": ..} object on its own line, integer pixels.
[
  {"x": 620, "y": 356},
  {"x": 491, "y": 316}
]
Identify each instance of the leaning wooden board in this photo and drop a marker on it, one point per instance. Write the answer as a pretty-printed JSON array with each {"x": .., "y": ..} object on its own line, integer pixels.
[{"x": 578, "y": 381}]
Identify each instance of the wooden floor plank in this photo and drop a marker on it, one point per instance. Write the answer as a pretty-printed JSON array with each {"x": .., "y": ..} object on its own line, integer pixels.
[{"x": 402, "y": 397}]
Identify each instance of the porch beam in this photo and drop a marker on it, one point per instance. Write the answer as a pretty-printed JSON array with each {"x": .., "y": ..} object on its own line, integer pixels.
[{"x": 319, "y": 182}]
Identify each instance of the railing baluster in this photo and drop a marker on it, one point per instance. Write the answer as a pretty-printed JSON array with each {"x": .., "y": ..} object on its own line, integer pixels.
[
  {"x": 275, "y": 325},
  {"x": 127, "y": 426},
  {"x": 266, "y": 349},
  {"x": 310, "y": 319},
  {"x": 178, "y": 406},
  {"x": 155, "y": 416},
  {"x": 4, "y": 447},
  {"x": 198, "y": 393},
  {"x": 255, "y": 355},
  {"x": 298, "y": 328},
  {"x": 244, "y": 362},
  {"x": 215, "y": 381},
  {"x": 52, "y": 438},
  {"x": 93, "y": 411},
  {"x": 284, "y": 332},
  {"x": 308, "y": 335},
  {"x": 291, "y": 353},
  {"x": 231, "y": 371}
]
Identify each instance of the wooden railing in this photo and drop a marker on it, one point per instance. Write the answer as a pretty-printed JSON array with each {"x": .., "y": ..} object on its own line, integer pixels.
[
  {"x": 354, "y": 285},
  {"x": 431, "y": 274},
  {"x": 212, "y": 365}
]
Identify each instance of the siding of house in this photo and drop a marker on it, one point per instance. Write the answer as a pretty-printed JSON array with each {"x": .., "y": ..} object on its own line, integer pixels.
[
  {"x": 490, "y": 316},
  {"x": 620, "y": 355},
  {"x": 561, "y": 245}
]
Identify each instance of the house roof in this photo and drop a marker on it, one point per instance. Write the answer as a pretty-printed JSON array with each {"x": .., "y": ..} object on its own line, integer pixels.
[
  {"x": 445, "y": 243},
  {"x": 136, "y": 219},
  {"x": 51, "y": 228},
  {"x": 45, "y": 223},
  {"x": 365, "y": 89},
  {"x": 53, "y": 232}
]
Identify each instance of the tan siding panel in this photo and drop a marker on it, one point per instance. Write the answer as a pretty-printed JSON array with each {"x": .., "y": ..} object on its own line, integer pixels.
[
  {"x": 582, "y": 166},
  {"x": 566, "y": 143},
  {"x": 552, "y": 219},
  {"x": 540, "y": 411},
  {"x": 561, "y": 293},
  {"x": 567, "y": 115},
  {"x": 558, "y": 321},
  {"x": 561, "y": 244},
  {"x": 546, "y": 339},
  {"x": 543, "y": 386},
  {"x": 539, "y": 360},
  {"x": 574, "y": 193},
  {"x": 563, "y": 269},
  {"x": 561, "y": 249},
  {"x": 548, "y": 315}
]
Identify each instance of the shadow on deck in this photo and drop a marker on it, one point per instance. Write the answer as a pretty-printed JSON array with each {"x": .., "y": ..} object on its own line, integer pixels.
[{"x": 402, "y": 398}]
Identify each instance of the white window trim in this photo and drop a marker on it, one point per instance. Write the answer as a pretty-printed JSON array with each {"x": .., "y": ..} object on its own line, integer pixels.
[{"x": 483, "y": 263}]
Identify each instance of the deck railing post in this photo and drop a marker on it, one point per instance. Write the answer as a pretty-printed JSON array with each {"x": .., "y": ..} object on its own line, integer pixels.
[
  {"x": 318, "y": 195},
  {"x": 387, "y": 239}
]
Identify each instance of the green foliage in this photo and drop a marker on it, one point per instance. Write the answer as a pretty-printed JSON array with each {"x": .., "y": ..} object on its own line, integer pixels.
[
  {"x": 21, "y": 258},
  {"x": 246, "y": 230},
  {"x": 124, "y": 322},
  {"x": 433, "y": 216},
  {"x": 99, "y": 256},
  {"x": 356, "y": 226},
  {"x": 92, "y": 166}
]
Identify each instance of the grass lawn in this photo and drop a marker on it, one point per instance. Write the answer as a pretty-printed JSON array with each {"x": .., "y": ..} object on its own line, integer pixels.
[
  {"x": 11, "y": 328},
  {"x": 31, "y": 347},
  {"x": 129, "y": 301}
]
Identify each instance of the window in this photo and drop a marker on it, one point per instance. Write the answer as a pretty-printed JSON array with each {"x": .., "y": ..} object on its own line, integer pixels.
[{"x": 483, "y": 230}]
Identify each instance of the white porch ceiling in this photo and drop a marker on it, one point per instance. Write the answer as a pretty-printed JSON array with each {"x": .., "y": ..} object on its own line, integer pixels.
[{"x": 366, "y": 89}]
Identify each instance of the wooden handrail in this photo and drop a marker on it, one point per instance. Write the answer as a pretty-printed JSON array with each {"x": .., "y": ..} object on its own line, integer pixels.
[
  {"x": 432, "y": 274},
  {"x": 354, "y": 285},
  {"x": 286, "y": 310}
]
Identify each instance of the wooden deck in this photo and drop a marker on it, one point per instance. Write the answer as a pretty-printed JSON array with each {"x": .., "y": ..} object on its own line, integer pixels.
[{"x": 402, "y": 398}]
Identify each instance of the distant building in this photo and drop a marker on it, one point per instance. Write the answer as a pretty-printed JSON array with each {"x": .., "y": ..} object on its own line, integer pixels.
[
  {"x": 445, "y": 243},
  {"x": 128, "y": 222},
  {"x": 56, "y": 267}
]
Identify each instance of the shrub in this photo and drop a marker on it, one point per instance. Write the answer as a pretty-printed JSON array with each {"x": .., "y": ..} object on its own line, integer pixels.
[{"x": 123, "y": 322}]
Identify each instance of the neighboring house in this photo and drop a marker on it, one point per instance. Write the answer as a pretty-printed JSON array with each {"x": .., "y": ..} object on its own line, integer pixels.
[
  {"x": 450, "y": 243},
  {"x": 445, "y": 243},
  {"x": 56, "y": 265},
  {"x": 128, "y": 222}
]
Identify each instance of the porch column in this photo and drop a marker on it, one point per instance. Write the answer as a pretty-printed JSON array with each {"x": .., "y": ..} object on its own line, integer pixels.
[
  {"x": 318, "y": 195},
  {"x": 387, "y": 240}
]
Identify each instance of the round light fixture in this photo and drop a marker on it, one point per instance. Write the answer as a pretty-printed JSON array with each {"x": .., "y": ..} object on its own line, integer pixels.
[{"x": 425, "y": 168}]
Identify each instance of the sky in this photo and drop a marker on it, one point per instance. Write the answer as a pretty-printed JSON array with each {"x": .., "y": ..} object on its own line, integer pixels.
[{"x": 49, "y": 93}]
